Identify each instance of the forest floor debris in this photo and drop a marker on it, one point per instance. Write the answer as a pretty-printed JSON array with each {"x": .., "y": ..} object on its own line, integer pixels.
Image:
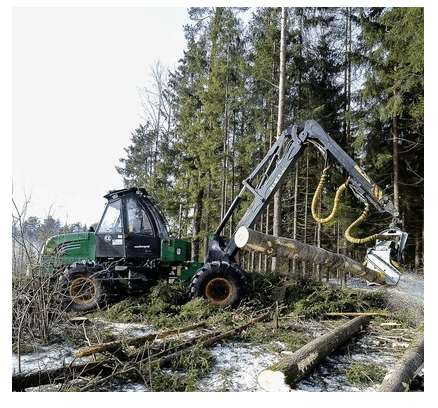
[{"x": 233, "y": 365}]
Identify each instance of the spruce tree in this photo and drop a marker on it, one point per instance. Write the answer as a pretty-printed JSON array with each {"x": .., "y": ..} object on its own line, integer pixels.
[{"x": 393, "y": 108}]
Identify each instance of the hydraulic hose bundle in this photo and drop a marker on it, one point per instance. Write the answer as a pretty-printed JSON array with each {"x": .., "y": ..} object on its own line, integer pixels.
[
  {"x": 318, "y": 193},
  {"x": 335, "y": 210}
]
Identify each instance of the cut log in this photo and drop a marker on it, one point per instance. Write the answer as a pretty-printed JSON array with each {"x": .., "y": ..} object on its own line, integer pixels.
[
  {"x": 400, "y": 378},
  {"x": 282, "y": 375},
  {"x": 136, "y": 341},
  {"x": 270, "y": 245},
  {"x": 58, "y": 375},
  {"x": 353, "y": 314}
]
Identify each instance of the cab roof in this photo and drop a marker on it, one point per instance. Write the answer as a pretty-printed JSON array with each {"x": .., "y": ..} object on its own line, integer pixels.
[{"x": 118, "y": 193}]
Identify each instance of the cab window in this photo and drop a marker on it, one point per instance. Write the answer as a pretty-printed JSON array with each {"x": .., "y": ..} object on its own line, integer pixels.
[
  {"x": 112, "y": 219},
  {"x": 138, "y": 220}
]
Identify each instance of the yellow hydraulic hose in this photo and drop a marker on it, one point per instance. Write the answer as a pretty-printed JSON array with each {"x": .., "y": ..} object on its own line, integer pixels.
[
  {"x": 354, "y": 240},
  {"x": 316, "y": 198},
  {"x": 335, "y": 210}
]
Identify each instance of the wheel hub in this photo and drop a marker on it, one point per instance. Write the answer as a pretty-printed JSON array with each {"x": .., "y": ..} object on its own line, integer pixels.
[
  {"x": 83, "y": 290},
  {"x": 219, "y": 291}
]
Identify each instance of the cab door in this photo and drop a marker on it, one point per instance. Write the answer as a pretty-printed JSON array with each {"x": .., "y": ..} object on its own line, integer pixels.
[
  {"x": 110, "y": 239},
  {"x": 141, "y": 238}
]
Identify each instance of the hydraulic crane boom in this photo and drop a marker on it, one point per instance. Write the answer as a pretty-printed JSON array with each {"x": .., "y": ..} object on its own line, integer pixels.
[{"x": 273, "y": 170}]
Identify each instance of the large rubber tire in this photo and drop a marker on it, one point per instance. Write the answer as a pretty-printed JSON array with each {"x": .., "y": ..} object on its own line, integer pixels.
[
  {"x": 221, "y": 283},
  {"x": 85, "y": 286}
]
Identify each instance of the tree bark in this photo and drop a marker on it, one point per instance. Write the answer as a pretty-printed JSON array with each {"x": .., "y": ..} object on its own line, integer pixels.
[
  {"x": 282, "y": 375},
  {"x": 280, "y": 124},
  {"x": 59, "y": 375},
  {"x": 197, "y": 218},
  {"x": 285, "y": 247},
  {"x": 395, "y": 162},
  {"x": 136, "y": 341},
  {"x": 160, "y": 362},
  {"x": 400, "y": 378},
  {"x": 351, "y": 314}
]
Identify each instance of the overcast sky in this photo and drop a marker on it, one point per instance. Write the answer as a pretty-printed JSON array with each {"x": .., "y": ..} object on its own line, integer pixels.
[{"x": 75, "y": 78}]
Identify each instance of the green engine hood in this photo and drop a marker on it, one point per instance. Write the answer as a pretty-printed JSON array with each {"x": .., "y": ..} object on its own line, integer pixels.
[{"x": 66, "y": 249}]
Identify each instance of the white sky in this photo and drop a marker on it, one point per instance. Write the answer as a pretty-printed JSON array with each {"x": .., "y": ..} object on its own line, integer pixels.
[{"x": 75, "y": 79}]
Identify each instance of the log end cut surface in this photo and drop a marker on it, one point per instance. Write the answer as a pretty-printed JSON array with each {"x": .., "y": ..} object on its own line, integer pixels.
[{"x": 273, "y": 381}]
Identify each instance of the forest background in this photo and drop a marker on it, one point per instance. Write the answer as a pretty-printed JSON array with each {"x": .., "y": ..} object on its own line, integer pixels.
[{"x": 359, "y": 72}]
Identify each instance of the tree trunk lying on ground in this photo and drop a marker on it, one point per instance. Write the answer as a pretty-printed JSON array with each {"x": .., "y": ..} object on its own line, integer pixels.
[
  {"x": 256, "y": 241},
  {"x": 400, "y": 378},
  {"x": 136, "y": 341},
  {"x": 209, "y": 341},
  {"x": 22, "y": 381},
  {"x": 108, "y": 366},
  {"x": 353, "y": 314},
  {"x": 160, "y": 360},
  {"x": 282, "y": 375}
]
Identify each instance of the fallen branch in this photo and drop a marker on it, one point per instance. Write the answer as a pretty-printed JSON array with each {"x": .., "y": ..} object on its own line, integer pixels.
[
  {"x": 58, "y": 375},
  {"x": 136, "y": 341},
  {"x": 282, "y": 375},
  {"x": 153, "y": 362},
  {"x": 270, "y": 245},
  {"x": 400, "y": 378},
  {"x": 208, "y": 342},
  {"x": 353, "y": 314}
]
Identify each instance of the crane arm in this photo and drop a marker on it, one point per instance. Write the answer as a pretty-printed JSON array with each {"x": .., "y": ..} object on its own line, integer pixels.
[{"x": 274, "y": 168}]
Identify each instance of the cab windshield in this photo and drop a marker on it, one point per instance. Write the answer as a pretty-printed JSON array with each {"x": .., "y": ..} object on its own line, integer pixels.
[{"x": 112, "y": 219}]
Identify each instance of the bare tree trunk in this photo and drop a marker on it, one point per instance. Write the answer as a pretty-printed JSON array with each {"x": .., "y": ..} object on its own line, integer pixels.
[
  {"x": 280, "y": 124},
  {"x": 207, "y": 223},
  {"x": 197, "y": 217},
  {"x": 282, "y": 375},
  {"x": 22, "y": 381},
  {"x": 295, "y": 219},
  {"x": 395, "y": 162},
  {"x": 289, "y": 248},
  {"x": 347, "y": 76},
  {"x": 306, "y": 209},
  {"x": 418, "y": 252},
  {"x": 400, "y": 378}
]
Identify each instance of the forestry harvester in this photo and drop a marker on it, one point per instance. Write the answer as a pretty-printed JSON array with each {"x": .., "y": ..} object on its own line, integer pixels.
[{"x": 131, "y": 248}]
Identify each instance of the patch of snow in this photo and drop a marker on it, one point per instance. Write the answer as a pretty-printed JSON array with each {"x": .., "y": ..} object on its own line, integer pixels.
[
  {"x": 45, "y": 358},
  {"x": 237, "y": 367},
  {"x": 128, "y": 329}
]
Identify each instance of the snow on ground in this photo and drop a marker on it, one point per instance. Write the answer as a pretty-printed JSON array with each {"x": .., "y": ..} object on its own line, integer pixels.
[
  {"x": 237, "y": 367},
  {"x": 46, "y": 357}
]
